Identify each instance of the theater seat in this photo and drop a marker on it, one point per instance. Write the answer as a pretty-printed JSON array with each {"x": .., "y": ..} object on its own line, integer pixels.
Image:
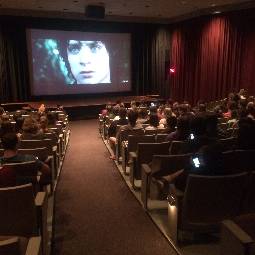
[
  {"x": 23, "y": 214},
  {"x": 205, "y": 203}
]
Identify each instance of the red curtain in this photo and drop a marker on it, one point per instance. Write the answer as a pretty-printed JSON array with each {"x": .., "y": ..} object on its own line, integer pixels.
[{"x": 212, "y": 57}]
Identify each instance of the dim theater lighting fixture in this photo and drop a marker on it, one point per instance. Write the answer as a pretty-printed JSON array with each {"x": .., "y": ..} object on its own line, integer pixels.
[{"x": 172, "y": 70}]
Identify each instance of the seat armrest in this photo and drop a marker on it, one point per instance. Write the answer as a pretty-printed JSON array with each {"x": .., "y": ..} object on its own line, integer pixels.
[
  {"x": 146, "y": 169},
  {"x": 34, "y": 246},
  {"x": 40, "y": 199},
  {"x": 175, "y": 195},
  {"x": 238, "y": 232}
]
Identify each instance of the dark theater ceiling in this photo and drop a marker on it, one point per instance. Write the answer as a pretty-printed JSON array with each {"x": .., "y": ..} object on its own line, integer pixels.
[{"x": 162, "y": 11}]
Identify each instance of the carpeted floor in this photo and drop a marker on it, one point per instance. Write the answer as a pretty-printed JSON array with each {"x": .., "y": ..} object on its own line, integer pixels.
[{"x": 95, "y": 211}]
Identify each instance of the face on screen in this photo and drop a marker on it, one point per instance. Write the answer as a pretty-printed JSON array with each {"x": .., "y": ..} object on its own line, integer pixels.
[{"x": 89, "y": 61}]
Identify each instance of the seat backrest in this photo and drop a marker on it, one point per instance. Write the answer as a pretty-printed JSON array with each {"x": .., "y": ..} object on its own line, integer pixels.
[
  {"x": 210, "y": 199},
  {"x": 150, "y": 131},
  {"x": 179, "y": 147},
  {"x": 166, "y": 164},
  {"x": 145, "y": 151},
  {"x": 238, "y": 161},
  {"x": 133, "y": 140},
  {"x": 160, "y": 138},
  {"x": 123, "y": 136},
  {"x": 228, "y": 143},
  {"x": 29, "y": 144},
  {"x": 40, "y": 153},
  {"x": 25, "y": 172},
  {"x": 162, "y": 130},
  {"x": 18, "y": 211},
  {"x": 51, "y": 136}
]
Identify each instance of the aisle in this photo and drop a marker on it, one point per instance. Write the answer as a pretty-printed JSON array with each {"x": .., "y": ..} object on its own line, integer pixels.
[{"x": 95, "y": 211}]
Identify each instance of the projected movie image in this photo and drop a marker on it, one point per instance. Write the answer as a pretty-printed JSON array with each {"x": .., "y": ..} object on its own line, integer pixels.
[{"x": 64, "y": 62}]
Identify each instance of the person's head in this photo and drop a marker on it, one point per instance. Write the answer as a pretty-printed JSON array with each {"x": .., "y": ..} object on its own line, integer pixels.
[
  {"x": 183, "y": 109},
  {"x": 122, "y": 113},
  {"x": 88, "y": 61},
  {"x": 167, "y": 112},
  {"x": 198, "y": 125},
  {"x": 43, "y": 122},
  {"x": 183, "y": 126},
  {"x": 251, "y": 109},
  {"x": 7, "y": 127},
  {"x": 41, "y": 108},
  {"x": 154, "y": 120},
  {"x": 116, "y": 110},
  {"x": 10, "y": 141},
  {"x": 132, "y": 117},
  {"x": 142, "y": 113},
  {"x": 30, "y": 125},
  {"x": 171, "y": 122},
  {"x": 202, "y": 108},
  {"x": 1, "y": 111},
  {"x": 19, "y": 124},
  {"x": 211, "y": 122},
  {"x": 52, "y": 118}
]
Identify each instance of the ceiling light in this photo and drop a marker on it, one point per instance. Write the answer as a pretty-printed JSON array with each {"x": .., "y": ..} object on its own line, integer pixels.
[{"x": 216, "y": 12}]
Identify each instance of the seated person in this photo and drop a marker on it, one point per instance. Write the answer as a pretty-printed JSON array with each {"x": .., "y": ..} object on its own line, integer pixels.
[
  {"x": 142, "y": 116},
  {"x": 11, "y": 155},
  {"x": 19, "y": 122},
  {"x": 45, "y": 130},
  {"x": 41, "y": 110},
  {"x": 171, "y": 122},
  {"x": 207, "y": 161},
  {"x": 182, "y": 131},
  {"x": 52, "y": 119},
  {"x": 132, "y": 125},
  {"x": 6, "y": 127},
  {"x": 167, "y": 112},
  {"x": 31, "y": 130},
  {"x": 153, "y": 122},
  {"x": 121, "y": 121}
]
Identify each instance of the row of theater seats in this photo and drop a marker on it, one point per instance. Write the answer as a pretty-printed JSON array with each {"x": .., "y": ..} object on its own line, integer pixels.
[
  {"x": 206, "y": 201},
  {"x": 26, "y": 209}
]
